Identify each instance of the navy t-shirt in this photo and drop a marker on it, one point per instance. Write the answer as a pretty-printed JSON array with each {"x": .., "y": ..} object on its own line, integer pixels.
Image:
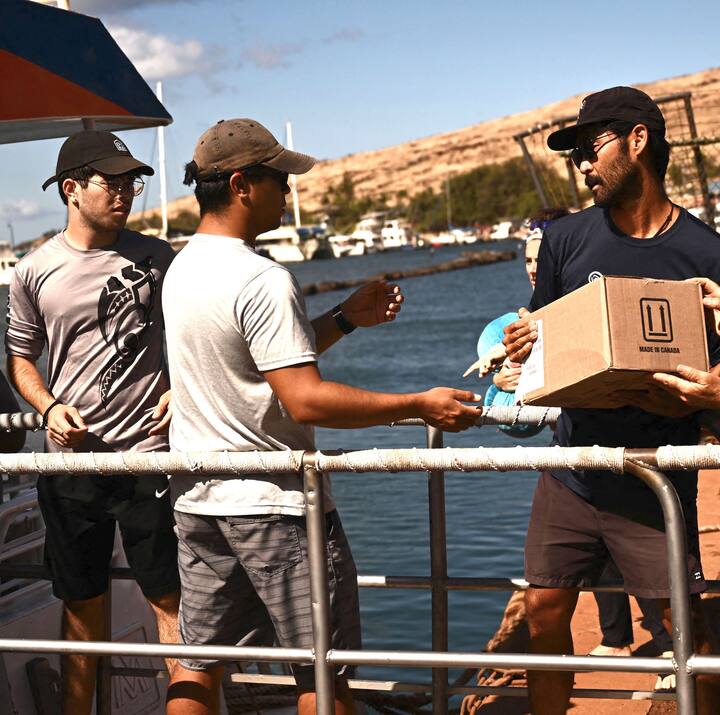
[{"x": 574, "y": 251}]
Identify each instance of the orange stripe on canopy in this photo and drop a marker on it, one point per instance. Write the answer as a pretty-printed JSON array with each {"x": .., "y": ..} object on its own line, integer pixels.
[{"x": 38, "y": 93}]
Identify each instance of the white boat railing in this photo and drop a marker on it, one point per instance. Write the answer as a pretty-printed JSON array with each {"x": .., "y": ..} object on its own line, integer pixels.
[{"x": 646, "y": 465}]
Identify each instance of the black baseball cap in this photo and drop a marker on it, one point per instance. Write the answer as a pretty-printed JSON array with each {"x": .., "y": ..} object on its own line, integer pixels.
[
  {"x": 617, "y": 103},
  {"x": 102, "y": 151}
]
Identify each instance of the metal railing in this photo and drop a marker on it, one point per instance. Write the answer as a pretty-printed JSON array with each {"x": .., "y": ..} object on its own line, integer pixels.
[{"x": 646, "y": 465}]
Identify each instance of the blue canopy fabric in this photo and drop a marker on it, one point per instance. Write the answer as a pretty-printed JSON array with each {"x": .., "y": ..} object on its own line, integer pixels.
[{"x": 61, "y": 72}]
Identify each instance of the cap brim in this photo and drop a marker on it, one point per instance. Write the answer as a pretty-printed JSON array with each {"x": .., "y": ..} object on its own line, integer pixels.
[
  {"x": 291, "y": 162},
  {"x": 563, "y": 139}
]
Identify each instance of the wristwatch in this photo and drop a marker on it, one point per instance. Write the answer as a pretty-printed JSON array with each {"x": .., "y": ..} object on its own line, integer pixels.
[{"x": 342, "y": 322}]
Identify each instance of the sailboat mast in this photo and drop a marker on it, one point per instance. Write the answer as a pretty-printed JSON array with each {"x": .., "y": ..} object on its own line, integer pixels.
[
  {"x": 163, "y": 175},
  {"x": 293, "y": 178}
]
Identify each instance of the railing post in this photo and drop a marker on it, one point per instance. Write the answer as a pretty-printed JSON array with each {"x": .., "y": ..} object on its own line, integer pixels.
[
  {"x": 682, "y": 634},
  {"x": 103, "y": 678},
  {"x": 438, "y": 574},
  {"x": 319, "y": 588}
]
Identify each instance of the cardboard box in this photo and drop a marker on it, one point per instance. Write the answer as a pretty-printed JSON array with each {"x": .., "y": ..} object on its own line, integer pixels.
[{"x": 608, "y": 336}]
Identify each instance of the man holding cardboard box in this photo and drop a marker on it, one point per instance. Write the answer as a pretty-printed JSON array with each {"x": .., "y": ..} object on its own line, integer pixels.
[{"x": 581, "y": 518}]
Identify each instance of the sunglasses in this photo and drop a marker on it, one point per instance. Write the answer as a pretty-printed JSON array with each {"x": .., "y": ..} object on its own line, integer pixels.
[
  {"x": 281, "y": 177},
  {"x": 587, "y": 150}
]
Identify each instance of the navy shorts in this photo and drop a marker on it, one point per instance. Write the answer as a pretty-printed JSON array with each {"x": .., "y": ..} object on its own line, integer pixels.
[{"x": 80, "y": 513}]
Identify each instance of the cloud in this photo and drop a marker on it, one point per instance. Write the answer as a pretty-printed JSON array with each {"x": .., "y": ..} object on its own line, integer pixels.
[
  {"x": 19, "y": 210},
  {"x": 158, "y": 56},
  {"x": 270, "y": 57},
  {"x": 346, "y": 34},
  {"x": 96, "y": 7}
]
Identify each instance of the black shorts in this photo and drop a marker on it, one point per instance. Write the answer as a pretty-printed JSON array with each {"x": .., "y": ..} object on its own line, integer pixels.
[
  {"x": 569, "y": 541},
  {"x": 80, "y": 513}
]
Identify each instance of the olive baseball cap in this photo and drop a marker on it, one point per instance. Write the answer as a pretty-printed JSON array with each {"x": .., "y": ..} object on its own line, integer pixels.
[
  {"x": 235, "y": 144},
  {"x": 617, "y": 103},
  {"x": 101, "y": 150}
]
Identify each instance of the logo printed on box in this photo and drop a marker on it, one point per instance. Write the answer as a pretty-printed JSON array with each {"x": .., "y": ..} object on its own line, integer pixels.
[{"x": 656, "y": 320}]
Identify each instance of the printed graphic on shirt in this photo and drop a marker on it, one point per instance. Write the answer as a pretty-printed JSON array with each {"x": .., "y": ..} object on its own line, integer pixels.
[{"x": 124, "y": 311}]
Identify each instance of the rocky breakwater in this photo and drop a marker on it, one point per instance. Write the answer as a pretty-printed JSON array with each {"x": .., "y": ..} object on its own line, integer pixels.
[{"x": 468, "y": 259}]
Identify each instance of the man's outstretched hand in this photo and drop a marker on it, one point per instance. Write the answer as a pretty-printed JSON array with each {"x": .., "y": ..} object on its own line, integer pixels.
[{"x": 374, "y": 303}]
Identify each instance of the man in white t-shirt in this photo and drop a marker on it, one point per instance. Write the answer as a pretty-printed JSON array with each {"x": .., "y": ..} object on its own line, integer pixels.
[{"x": 243, "y": 356}]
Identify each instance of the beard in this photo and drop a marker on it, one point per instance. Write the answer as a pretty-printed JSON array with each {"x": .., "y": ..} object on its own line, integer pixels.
[{"x": 620, "y": 181}]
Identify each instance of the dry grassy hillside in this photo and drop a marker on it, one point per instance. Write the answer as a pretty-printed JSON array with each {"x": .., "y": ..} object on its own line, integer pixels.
[{"x": 423, "y": 163}]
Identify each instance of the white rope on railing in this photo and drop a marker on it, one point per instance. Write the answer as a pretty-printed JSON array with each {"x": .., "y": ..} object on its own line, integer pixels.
[
  {"x": 492, "y": 415},
  {"x": 374, "y": 460},
  {"x": 705, "y": 456},
  {"x": 143, "y": 463},
  {"x": 499, "y": 459},
  {"x": 475, "y": 459},
  {"x": 19, "y": 421}
]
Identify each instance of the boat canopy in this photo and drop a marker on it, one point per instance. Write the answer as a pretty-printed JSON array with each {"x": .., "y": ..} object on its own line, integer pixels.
[{"x": 61, "y": 72}]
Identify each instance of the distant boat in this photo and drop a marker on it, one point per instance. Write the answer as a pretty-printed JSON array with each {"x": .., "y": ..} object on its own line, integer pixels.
[
  {"x": 396, "y": 233},
  {"x": 288, "y": 244},
  {"x": 368, "y": 229},
  {"x": 8, "y": 259},
  {"x": 342, "y": 245}
]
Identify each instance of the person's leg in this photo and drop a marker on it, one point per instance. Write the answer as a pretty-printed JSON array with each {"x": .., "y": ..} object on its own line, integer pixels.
[
  {"x": 166, "y": 615},
  {"x": 614, "y": 616},
  {"x": 549, "y": 612},
  {"x": 195, "y": 692},
  {"x": 638, "y": 546},
  {"x": 653, "y": 621},
  {"x": 274, "y": 552},
  {"x": 79, "y": 539},
  {"x": 147, "y": 529},
  {"x": 82, "y": 621},
  {"x": 344, "y": 701},
  {"x": 218, "y": 607}
]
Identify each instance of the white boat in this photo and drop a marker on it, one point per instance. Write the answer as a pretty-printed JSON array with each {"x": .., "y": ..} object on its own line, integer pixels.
[
  {"x": 342, "y": 245},
  {"x": 368, "y": 230},
  {"x": 501, "y": 231},
  {"x": 8, "y": 259},
  {"x": 395, "y": 233},
  {"x": 288, "y": 244}
]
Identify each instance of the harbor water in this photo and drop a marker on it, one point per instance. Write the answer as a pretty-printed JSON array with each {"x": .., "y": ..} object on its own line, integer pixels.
[{"x": 386, "y": 515}]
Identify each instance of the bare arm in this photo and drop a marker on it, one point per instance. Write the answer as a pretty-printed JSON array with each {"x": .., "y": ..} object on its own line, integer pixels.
[
  {"x": 65, "y": 425},
  {"x": 311, "y": 400},
  {"x": 374, "y": 303}
]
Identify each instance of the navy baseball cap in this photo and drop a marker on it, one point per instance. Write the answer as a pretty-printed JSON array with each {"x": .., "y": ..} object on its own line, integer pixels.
[
  {"x": 617, "y": 103},
  {"x": 101, "y": 150}
]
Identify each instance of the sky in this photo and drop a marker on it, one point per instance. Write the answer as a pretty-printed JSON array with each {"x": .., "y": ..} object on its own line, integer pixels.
[{"x": 357, "y": 76}]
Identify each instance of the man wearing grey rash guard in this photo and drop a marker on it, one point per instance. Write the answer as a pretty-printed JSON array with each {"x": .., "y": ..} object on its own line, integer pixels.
[{"x": 91, "y": 294}]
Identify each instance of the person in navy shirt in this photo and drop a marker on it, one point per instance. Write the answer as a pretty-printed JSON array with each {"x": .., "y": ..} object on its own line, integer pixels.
[{"x": 581, "y": 519}]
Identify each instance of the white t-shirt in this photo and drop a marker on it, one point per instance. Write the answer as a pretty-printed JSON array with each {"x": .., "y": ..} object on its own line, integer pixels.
[{"x": 230, "y": 315}]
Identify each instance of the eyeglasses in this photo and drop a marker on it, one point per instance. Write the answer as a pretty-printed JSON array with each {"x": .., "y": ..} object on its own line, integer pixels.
[
  {"x": 115, "y": 187},
  {"x": 587, "y": 150}
]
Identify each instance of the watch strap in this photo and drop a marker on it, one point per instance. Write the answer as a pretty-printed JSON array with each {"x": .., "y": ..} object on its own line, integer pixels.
[{"x": 342, "y": 322}]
